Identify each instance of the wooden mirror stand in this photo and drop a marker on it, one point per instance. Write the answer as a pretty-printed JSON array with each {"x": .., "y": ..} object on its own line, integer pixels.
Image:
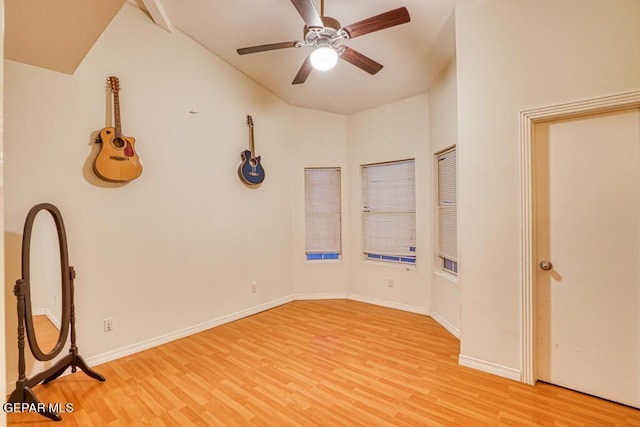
[{"x": 23, "y": 392}]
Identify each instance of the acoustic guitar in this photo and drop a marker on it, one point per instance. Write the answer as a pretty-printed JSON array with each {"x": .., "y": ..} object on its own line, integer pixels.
[
  {"x": 117, "y": 160},
  {"x": 250, "y": 170}
]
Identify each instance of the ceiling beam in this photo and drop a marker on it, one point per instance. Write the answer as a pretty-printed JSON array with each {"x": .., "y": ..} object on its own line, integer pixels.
[{"x": 157, "y": 13}]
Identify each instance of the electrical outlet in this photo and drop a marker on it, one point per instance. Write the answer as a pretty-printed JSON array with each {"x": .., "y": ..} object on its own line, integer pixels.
[
  {"x": 253, "y": 287},
  {"x": 108, "y": 324},
  {"x": 390, "y": 282}
]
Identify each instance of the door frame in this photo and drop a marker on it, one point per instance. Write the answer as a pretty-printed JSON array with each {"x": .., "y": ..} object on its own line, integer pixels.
[{"x": 528, "y": 119}]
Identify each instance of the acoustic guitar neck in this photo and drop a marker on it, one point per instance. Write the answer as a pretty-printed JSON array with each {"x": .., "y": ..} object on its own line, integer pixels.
[
  {"x": 116, "y": 112},
  {"x": 251, "y": 142}
]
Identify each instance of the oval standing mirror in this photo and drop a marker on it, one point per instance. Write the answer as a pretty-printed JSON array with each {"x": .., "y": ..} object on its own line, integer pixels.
[
  {"x": 45, "y": 270},
  {"x": 44, "y": 303}
]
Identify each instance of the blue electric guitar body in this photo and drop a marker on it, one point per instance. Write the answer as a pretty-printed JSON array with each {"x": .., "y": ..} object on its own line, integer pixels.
[{"x": 250, "y": 170}]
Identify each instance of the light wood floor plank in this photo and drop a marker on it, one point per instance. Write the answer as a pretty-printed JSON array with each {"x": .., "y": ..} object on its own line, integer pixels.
[{"x": 315, "y": 363}]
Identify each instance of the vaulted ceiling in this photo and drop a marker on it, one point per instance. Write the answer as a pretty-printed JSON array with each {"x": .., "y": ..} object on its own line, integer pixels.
[{"x": 413, "y": 54}]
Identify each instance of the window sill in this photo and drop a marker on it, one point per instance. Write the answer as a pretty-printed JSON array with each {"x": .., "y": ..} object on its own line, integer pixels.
[
  {"x": 390, "y": 264},
  {"x": 447, "y": 276},
  {"x": 323, "y": 261}
]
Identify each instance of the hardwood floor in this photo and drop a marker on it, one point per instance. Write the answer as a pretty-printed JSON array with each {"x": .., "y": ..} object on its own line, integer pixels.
[
  {"x": 326, "y": 363},
  {"x": 46, "y": 332}
]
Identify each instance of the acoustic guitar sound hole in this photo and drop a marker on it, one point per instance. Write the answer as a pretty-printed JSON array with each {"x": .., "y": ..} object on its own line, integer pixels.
[{"x": 118, "y": 142}]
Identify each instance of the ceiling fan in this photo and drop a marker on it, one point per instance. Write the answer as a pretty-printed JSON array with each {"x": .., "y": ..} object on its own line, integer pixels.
[{"x": 325, "y": 35}]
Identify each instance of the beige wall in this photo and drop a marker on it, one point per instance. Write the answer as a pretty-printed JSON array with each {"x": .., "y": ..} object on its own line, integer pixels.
[
  {"x": 443, "y": 133},
  {"x": 392, "y": 132},
  {"x": 511, "y": 56},
  {"x": 319, "y": 140},
  {"x": 181, "y": 245},
  {"x": 395, "y": 131}
]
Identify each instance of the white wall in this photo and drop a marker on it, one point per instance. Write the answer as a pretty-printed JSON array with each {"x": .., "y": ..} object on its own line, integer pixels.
[
  {"x": 394, "y": 131},
  {"x": 443, "y": 133},
  {"x": 180, "y": 245},
  {"x": 511, "y": 56},
  {"x": 319, "y": 140}
]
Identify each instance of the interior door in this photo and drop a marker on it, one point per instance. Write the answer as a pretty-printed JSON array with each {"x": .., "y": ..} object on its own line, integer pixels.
[{"x": 587, "y": 227}]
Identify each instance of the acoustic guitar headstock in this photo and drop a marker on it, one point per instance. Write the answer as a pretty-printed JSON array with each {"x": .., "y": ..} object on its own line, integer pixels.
[
  {"x": 114, "y": 83},
  {"x": 250, "y": 121}
]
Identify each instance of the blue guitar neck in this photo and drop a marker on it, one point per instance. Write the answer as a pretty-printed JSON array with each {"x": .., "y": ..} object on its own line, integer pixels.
[{"x": 250, "y": 170}]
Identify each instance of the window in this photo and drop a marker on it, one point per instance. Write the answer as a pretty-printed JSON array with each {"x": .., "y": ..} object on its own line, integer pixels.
[
  {"x": 322, "y": 213},
  {"x": 389, "y": 212},
  {"x": 447, "y": 216}
]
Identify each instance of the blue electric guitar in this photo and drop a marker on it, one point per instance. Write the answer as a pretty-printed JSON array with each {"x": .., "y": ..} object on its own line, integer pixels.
[{"x": 250, "y": 170}]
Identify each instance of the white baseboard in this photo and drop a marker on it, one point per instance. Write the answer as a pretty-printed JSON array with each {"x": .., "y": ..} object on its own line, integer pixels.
[
  {"x": 490, "y": 367},
  {"x": 172, "y": 336},
  {"x": 391, "y": 304},
  {"x": 470, "y": 362},
  {"x": 446, "y": 324},
  {"x": 369, "y": 300},
  {"x": 335, "y": 295},
  {"x": 53, "y": 319},
  {"x": 467, "y": 361},
  {"x": 38, "y": 311}
]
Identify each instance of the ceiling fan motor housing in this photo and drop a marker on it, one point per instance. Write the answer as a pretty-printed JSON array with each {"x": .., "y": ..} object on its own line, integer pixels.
[{"x": 331, "y": 33}]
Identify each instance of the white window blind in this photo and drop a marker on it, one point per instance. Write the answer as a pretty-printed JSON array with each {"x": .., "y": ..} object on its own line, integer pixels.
[
  {"x": 389, "y": 211},
  {"x": 447, "y": 200},
  {"x": 322, "y": 213}
]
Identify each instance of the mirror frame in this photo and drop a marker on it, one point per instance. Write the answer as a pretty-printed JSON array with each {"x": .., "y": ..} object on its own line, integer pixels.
[{"x": 38, "y": 353}]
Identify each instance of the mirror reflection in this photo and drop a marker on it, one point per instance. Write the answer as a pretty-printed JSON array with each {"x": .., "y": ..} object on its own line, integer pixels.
[{"x": 46, "y": 287}]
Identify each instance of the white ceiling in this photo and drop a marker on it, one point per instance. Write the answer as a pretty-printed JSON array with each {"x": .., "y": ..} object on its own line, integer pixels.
[{"x": 413, "y": 54}]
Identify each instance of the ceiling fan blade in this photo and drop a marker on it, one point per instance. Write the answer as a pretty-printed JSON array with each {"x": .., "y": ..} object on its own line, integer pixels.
[
  {"x": 304, "y": 72},
  {"x": 265, "y": 47},
  {"x": 309, "y": 13},
  {"x": 359, "y": 60},
  {"x": 378, "y": 22}
]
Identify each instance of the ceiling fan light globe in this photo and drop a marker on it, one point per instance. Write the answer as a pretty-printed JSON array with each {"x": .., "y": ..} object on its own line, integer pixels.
[{"x": 324, "y": 58}]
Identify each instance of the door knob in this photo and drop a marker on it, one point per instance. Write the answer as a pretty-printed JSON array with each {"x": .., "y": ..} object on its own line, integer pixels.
[{"x": 546, "y": 265}]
